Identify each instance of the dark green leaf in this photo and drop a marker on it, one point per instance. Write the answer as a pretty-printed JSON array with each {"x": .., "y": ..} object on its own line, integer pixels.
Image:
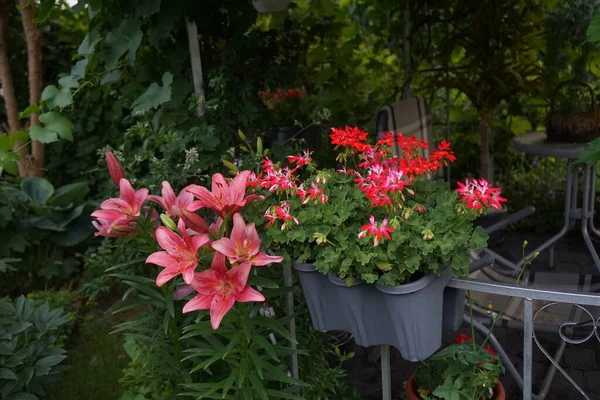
[
  {"x": 6, "y": 373},
  {"x": 39, "y": 190},
  {"x": 86, "y": 48},
  {"x": 126, "y": 38},
  {"x": 32, "y": 109},
  {"x": 50, "y": 361},
  {"x": 591, "y": 151},
  {"x": 8, "y": 162},
  {"x": 257, "y": 280},
  {"x": 69, "y": 194},
  {"x": 593, "y": 31},
  {"x": 55, "y": 122},
  {"x": 154, "y": 96},
  {"x": 42, "y": 135}
]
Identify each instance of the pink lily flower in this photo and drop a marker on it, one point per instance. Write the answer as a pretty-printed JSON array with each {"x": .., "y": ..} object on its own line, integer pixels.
[
  {"x": 244, "y": 245},
  {"x": 219, "y": 288},
  {"x": 180, "y": 256},
  {"x": 129, "y": 202},
  {"x": 112, "y": 223},
  {"x": 115, "y": 170},
  {"x": 172, "y": 205},
  {"x": 225, "y": 198}
]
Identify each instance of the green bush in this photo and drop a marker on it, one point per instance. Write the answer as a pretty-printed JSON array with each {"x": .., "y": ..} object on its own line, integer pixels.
[{"x": 29, "y": 356}]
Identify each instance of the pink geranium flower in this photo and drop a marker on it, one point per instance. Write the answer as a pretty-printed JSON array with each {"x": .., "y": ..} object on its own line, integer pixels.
[
  {"x": 173, "y": 206},
  {"x": 244, "y": 245},
  {"x": 225, "y": 198},
  {"x": 479, "y": 193},
  {"x": 219, "y": 288},
  {"x": 376, "y": 229},
  {"x": 180, "y": 255},
  {"x": 129, "y": 202}
]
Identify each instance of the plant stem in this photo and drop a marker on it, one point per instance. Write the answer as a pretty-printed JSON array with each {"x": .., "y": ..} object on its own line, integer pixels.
[{"x": 471, "y": 316}]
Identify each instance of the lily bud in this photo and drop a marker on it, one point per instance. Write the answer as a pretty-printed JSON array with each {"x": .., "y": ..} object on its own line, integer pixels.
[
  {"x": 168, "y": 222},
  {"x": 115, "y": 170}
]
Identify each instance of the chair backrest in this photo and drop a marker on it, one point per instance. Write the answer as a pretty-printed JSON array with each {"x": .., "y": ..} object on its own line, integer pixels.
[{"x": 410, "y": 116}]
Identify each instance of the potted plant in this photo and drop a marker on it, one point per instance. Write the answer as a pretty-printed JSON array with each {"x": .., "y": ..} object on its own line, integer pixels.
[
  {"x": 375, "y": 241},
  {"x": 463, "y": 370},
  {"x": 574, "y": 116},
  {"x": 290, "y": 110}
]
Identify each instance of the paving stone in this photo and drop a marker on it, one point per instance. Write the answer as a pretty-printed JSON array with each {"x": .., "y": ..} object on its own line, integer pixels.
[
  {"x": 580, "y": 358},
  {"x": 561, "y": 383},
  {"x": 592, "y": 379}
]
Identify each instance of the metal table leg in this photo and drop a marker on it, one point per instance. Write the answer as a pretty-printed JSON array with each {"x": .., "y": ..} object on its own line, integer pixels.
[
  {"x": 592, "y": 201},
  {"x": 587, "y": 215},
  {"x": 571, "y": 214}
]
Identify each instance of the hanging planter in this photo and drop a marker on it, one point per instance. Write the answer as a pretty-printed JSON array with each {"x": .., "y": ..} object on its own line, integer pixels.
[
  {"x": 408, "y": 317},
  {"x": 454, "y": 308},
  {"x": 270, "y": 6}
]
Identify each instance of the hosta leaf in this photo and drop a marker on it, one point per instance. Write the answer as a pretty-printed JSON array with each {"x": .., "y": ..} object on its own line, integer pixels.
[
  {"x": 39, "y": 190},
  {"x": 69, "y": 194},
  {"x": 6, "y": 373},
  {"x": 22, "y": 396}
]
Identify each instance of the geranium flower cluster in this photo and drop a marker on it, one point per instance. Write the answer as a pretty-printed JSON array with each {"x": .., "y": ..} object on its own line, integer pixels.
[
  {"x": 382, "y": 178},
  {"x": 385, "y": 179},
  {"x": 186, "y": 239},
  {"x": 273, "y": 98},
  {"x": 478, "y": 194},
  {"x": 464, "y": 338}
]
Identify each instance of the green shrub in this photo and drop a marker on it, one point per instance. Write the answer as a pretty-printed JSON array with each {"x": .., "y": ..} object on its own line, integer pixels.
[{"x": 29, "y": 357}]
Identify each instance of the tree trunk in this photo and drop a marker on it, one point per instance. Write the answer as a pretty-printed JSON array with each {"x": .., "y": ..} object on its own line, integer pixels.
[
  {"x": 8, "y": 88},
  {"x": 34, "y": 67},
  {"x": 487, "y": 140}
]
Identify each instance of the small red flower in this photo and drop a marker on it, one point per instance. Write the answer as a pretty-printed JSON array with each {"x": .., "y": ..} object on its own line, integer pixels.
[{"x": 463, "y": 338}]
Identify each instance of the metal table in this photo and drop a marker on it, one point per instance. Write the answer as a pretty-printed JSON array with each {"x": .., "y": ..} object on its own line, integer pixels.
[{"x": 535, "y": 143}]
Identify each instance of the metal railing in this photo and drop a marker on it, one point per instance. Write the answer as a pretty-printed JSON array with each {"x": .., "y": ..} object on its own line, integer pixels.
[{"x": 529, "y": 296}]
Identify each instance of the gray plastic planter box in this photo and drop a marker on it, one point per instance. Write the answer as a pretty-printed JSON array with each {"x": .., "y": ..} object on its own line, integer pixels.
[
  {"x": 454, "y": 308},
  {"x": 408, "y": 317}
]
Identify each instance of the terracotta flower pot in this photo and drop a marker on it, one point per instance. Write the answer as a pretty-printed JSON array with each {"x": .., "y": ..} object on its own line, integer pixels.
[{"x": 412, "y": 394}]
